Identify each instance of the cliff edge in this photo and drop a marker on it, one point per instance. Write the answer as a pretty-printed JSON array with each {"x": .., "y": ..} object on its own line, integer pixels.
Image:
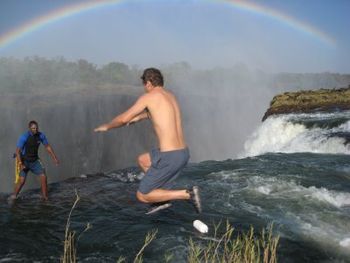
[{"x": 325, "y": 100}]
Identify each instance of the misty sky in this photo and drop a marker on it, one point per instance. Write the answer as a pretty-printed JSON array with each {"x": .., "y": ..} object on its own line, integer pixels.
[{"x": 204, "y": 33}]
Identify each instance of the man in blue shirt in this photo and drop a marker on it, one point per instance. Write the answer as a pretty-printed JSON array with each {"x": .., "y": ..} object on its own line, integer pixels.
[{"x": 28, "y": 158}]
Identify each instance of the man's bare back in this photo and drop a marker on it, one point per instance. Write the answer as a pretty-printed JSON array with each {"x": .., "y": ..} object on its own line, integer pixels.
[
  {"x": 162, "y": 108},
  {"x": 166, "y": 118}
]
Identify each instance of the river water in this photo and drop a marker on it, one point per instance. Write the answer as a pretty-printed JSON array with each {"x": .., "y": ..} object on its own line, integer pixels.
[{"x": 294, "y": 174}]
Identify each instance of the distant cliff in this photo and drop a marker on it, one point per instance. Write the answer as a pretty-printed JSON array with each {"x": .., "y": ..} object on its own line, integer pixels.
[{"x": 310, "y": 101}]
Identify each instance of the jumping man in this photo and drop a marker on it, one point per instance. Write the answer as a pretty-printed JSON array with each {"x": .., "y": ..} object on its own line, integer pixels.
[{"x": 164, "y": 163}]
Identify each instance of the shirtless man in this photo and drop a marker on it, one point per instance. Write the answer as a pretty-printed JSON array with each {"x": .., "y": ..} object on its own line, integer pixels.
[{"x": 162, "y": 165}]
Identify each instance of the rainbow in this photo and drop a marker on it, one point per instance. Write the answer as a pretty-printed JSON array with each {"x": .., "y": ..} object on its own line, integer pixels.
[
  {"x": 71, "y": 10},
  {"x": 282, "y": 18},
  {"x": 51, "y": 17}
]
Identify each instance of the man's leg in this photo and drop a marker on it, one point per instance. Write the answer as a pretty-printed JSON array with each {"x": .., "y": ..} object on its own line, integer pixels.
[
  {"x": 158, "y": 196},
  {"x": 144, "y": 161},
  {"x": 38, "y": 169},
  {"x": 43, "y": 181},
  {"x": 18, "y": 186},
  {"x": 162, "y": 195}
]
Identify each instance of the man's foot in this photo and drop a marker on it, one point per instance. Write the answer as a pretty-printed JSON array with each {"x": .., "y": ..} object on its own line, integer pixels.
[
  {"x": 11, "y": 199},
  {"x": 157, "y": 207},
  {"x": 195, "y": 198}
]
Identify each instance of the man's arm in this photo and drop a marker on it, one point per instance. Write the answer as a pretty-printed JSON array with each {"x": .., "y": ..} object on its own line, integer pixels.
[
  {"x": 20, "y": 144},
  {"x": 52, "y": 154},
  {"x": 143, "y": 115},
  {"x": 18, "y": 157},
  {"x": 49, "y": 149},
  {"x": 126, "y": 117}
]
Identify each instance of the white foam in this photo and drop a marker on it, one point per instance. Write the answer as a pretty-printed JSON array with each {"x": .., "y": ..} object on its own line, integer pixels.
[
  {"x": 279, "y": 134},
  {"x": 317, "y": 225},
  {"x": 273, "y": 135},
  {"x": 345, "y": 126},
  {"x": 314, "y": 227},
  {"x": 337, "y": 199},
  {"x": 264, "y": 189},
  {"x": 345, "y": 243},
  {"x": 290, "y": 189}
]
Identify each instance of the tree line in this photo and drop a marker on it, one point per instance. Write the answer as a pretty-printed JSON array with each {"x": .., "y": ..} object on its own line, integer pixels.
[
  {"x": 38, "y": 73},
  {"x": 18, "y": 75}
]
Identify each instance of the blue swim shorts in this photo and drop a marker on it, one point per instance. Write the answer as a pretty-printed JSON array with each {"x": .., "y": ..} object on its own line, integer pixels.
[
  {"x": 35, "y": 167},
  {"x": 165, "y": 168}
]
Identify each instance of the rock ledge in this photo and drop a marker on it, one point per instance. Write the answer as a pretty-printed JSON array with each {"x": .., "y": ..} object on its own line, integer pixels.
[{"x": 325, "y": 100}]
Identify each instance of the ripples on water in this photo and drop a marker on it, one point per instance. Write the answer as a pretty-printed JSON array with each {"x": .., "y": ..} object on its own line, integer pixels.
[{"x": 306, "y": 196}]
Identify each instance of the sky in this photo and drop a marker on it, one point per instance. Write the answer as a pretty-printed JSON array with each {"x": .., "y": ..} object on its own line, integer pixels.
[{"x": 274, "y": 36}]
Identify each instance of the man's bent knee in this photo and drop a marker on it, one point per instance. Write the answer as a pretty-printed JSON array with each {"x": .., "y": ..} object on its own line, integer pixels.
[
  {"x": 142, "y": 197},
  {"x": 144, "y": 161},
  {"x": 140, "y": 160}
]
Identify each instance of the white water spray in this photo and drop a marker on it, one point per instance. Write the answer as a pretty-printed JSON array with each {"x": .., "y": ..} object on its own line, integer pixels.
[{"x": 280, "y": 134}]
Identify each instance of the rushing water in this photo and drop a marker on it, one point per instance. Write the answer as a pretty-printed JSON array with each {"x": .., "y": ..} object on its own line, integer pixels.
[{"x": 295, "y": 173}]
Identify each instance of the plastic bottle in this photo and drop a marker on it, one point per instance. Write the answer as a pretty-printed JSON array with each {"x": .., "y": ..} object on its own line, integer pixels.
[{"x": 200, "y": 226}]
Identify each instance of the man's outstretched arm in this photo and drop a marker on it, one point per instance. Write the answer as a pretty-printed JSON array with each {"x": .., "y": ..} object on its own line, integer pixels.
[{"x": 126, "y": 117}]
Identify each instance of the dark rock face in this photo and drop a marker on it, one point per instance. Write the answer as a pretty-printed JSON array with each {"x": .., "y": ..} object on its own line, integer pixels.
[{"x": 325, "y": 100}]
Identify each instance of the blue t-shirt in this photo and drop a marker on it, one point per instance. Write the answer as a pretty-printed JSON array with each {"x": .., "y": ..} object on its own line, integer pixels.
[{"x": 29, "y": 144}]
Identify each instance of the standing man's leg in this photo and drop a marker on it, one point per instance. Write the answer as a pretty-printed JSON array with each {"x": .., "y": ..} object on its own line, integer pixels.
[
  {"x": 43, "y": 181},
  {"x": 19, "y": 185},
  {"x": 39, "y": 170}
]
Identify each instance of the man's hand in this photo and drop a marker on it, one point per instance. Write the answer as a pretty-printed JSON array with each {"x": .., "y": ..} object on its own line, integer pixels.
[{"x": 102, "y": 128}]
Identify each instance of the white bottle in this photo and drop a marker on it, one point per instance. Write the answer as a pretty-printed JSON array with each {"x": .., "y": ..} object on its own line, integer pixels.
[{"x": 200, "y": 226}]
